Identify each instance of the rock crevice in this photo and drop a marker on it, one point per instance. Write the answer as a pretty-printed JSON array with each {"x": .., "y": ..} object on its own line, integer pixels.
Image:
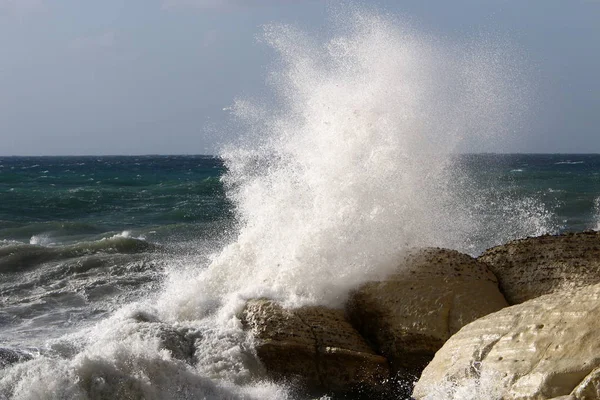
[{"x": 315, "y": 347}]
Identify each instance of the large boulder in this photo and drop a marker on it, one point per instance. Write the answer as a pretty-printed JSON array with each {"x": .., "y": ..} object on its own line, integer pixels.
[
  {"x": 541, "y": 349},
  {"x": 411, "y": 314},
  {"x": 313, "y": 347},
  {"x": 531, "y": 267}
]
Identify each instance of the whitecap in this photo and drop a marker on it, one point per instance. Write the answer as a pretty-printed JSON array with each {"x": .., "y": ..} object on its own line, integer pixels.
[
  {"x": 42, "y": 239},
  {"x": 569, "y": 162}
]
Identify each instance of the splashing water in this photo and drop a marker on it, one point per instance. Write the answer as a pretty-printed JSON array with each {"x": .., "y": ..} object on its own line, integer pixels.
[
  {"x": 597, "y": 213},
  {"x": 348, "y": 165},
  {"x": 353, "y": 162},
  {"x": 488, "y": 386}
]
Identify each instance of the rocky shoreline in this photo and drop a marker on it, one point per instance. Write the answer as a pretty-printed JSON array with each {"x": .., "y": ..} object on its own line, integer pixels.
[{"x": 519, "y": 322}]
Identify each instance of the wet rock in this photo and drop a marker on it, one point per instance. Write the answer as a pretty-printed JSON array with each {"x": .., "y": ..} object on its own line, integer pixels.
[
  {"x": 410, "y": 315},
  {"x": 541, "y": 349},
  {"x": 531, "y": 267},
  {"x": 315, "y": 348}
]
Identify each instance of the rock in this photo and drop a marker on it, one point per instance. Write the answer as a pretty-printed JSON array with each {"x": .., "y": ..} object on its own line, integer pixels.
[
  {"x": 589, "y": 388},
  {"x": 314, "y": 347},
  {"x": 531, "y": 267},
  {"x": 540, "y": 349},
  {"x": 410, "y": 315}
]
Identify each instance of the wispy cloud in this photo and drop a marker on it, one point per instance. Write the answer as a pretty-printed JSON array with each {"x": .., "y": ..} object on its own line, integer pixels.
[{"x": 103, "y": 40}]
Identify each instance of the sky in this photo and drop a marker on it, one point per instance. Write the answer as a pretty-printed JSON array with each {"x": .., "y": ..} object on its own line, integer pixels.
[{"x": 154, "y": 76}]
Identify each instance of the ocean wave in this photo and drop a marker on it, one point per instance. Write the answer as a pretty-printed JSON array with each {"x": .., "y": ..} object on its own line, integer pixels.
[
  {"x": 42, "y": 240},
  {"x": 597, "y": 214},
  {"x": 53, "y": 229},
  {"x": 568, "y": 162},
  {"x": 134, "y": 355},
  {"x": 16, "y": 257},
  {"x": 12, "y": 356},
  {"x": 356, "y": 169}
]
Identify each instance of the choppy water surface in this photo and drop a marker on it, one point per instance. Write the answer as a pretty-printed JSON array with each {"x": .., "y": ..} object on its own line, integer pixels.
[
  {"x": 103, "y": 260},
  {"x": 80, "y": 236}
]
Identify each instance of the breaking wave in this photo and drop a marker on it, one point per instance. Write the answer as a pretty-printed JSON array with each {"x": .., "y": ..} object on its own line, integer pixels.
[{"x": 351, "y": 161}]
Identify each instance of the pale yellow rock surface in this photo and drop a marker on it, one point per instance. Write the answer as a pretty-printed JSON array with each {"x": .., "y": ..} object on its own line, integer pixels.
[
  {"x": 432, "y": 295},
  {"x": 589, "y": 388},
  {"x": 314, "y": 347},
  {"x": 531, "y": 267},
  {"x": 541, "y": 349}
]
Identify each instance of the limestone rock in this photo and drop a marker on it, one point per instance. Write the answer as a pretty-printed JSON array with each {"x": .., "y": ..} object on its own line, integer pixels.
[
  {"x": 412, "y": 313},
  {"x": 541, "y": 349},
  {"x": 589, "y": 388},
  {"x": 531, "y": 267},
  {"x": 313, "y": 346}
]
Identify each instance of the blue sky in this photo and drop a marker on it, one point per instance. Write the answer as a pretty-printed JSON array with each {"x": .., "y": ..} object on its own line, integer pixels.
[{"x": 153, "y": 76}]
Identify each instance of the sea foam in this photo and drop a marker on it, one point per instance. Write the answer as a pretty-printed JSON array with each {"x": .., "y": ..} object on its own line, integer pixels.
[
  {"x": 351, "y": 160},
  {"x": 597, "y": 213},
  {"x": 348, "y": 163}
]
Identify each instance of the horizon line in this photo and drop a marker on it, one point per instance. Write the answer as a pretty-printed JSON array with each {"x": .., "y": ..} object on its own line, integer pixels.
[{"x": 218, "y": 156}]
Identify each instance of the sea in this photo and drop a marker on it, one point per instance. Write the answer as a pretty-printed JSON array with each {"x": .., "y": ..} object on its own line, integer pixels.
[
  {"x": 123, "y": 277},
  {"x": 86, "y": 240}
]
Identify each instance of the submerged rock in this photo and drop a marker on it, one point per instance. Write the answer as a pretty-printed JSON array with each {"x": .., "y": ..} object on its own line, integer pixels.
[
  {"x": 432, "y": 295},
  {"x": 315, "y": 348},
  {"x": 541, "y": 349},
  {"x": 532, "y": 267}
]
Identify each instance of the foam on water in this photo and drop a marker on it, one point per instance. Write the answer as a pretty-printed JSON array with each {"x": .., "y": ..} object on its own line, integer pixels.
[
  {"x": 121, "y": 358},
  {"x": 487, "y": 386},
  {"x": 352, "y": 162},
  {"x": 42, "y": 240},
  {"x": 597, "y": 213},
  {"x": 346, "y": 166}
]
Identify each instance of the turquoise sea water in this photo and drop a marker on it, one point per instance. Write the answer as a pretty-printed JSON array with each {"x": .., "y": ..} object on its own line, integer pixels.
[
  {"x": 67, "y": 198},
  {"x": 80, "y": 237},
  {"x": 567, "y": 184}
]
